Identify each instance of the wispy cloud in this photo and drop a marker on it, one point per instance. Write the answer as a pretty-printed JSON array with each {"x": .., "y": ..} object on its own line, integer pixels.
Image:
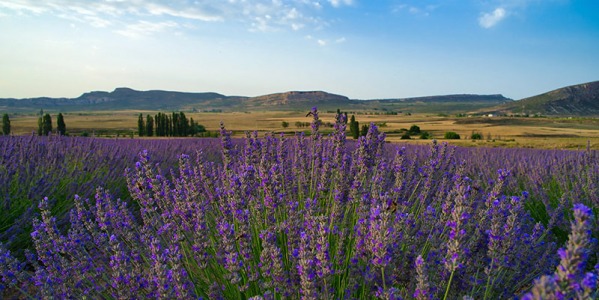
[
  {"x": 191, "y": 13},
  {"x": 144, "y": 28},
  {"x": 22, "y": 7},
  {"x": 419, "y": 10},
  {"x": 122, "y": 15},
  {"x": 496, "y": 11},
  {"x": 337, "y": 3},
  {"x": 326, "y": 42},
  {"x": 488, "y": 20}
]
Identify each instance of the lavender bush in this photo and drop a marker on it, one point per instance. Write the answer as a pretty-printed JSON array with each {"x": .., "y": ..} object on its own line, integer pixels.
[
  {"x": 60, "y": 167},
  {"x": 313, "y": 217}
]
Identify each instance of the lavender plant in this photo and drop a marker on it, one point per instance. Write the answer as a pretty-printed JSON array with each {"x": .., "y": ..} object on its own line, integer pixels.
[
  {"x": 317, "y": 217},
  {"x": 60, "y": 167}
]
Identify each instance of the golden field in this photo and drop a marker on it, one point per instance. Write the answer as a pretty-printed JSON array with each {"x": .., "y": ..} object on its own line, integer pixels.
[{"x": 560, "y": 133}]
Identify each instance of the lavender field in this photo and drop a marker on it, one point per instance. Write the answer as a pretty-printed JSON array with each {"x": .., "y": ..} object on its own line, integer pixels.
[{"x": 290, "y": 217}]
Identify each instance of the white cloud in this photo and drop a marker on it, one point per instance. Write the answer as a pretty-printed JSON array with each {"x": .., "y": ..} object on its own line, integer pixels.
[
  {"x": 337, "y": 3},
  {"x": 326, "y": 42},
  {"x": 22, "y": 7},
  {"x": 144, "y": 28},
  {"x": 190, "y": 13},
  {"x": 415, "y": 10},
  {"x": 508, "y": 8},
  {"x": 257, "y": 15},
  {"x": 488, "y": 20}
]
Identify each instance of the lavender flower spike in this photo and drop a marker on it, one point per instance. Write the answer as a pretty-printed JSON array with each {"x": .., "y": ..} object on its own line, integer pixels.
[{"x": 574, "y": 258}]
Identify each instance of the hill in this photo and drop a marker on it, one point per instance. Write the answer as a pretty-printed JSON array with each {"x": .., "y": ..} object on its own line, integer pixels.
[
  {"x": 575, "y": 100},
  {"x": 129, "y": 99},
  {"x": 119, "y": 99}
]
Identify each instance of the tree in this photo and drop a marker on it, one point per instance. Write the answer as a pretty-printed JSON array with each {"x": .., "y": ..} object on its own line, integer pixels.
[
  {"x": 168, "y": 125},
  {"x": 364, "y": 131},
  {"x": 355, "y": 132},
  {"x": 176, "y": 125},
  {"x": 159, "y": 122},
  {"x": 40, "y": 125},
  {"x": 354, "y": 127},
  {"x": 192, "y": 127},
  {"x": 196, "y": 128},
  {"x": 149, "y": 125},
  {"x": 285, "y": 124},
  {"x": 5, "y": 124},
  {"x": 141, "y": 126},
  {"x": 414, "y": 129},
  {"x": 61, "y": 127},
  {"x": 46, "y": 124},
  {"x": 183, "y": 125}
]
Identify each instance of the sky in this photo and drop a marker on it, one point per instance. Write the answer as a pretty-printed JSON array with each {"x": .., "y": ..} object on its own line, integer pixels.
[{"x": 361, "y": 49}]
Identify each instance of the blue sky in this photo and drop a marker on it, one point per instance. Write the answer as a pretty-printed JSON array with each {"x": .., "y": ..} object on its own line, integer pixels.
[{"x": 357, "y": 48}]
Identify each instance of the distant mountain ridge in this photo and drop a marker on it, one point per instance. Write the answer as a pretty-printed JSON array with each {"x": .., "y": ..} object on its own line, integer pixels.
[
  {"x": 129, "y": 99},
  {"x": 450, "y": 98},
  {"x": 575, "y": 100}
]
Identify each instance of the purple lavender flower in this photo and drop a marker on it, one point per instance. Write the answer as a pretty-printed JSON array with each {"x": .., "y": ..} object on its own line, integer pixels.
[
  {"x": 315, "y": 124},
  {"x": 422, "y": 291}
]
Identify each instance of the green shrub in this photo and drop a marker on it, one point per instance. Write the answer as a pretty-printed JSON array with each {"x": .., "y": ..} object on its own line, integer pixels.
[
  {"x": 450, "y": 135},
  {"x": 476, "y": 136},
  {"x": 405, "y": 136},
  {"x": 425, "y": 135}
]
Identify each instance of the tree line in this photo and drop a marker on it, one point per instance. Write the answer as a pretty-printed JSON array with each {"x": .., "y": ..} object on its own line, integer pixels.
[
  {"x": 44, "y": 125},
  {"x": 176, "y": 124}
]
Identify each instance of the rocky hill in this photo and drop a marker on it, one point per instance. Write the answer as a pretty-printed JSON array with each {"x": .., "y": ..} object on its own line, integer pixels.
[
  {"x": 575, "y": 100},
  {"x": 119, "y": 99},
  {"x": 297, "y": 100},
  {"x": 129, "y": 99}
]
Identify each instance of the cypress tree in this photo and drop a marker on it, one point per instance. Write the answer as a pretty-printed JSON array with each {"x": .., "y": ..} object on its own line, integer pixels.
[
  {"x": 158, "y": 124},
  {"x": 184, "y": 124},
  {"x": 356, "y": 131},
  {"x": 354, "y": 127},
  {"x": 149, "y": 126},
  {"x": 61, "y": 127},
  {"x": 168, "y": 125},
  {"x": 364, "y": 131},
  {"x": 47, "y": 124},
  {"x": 174, "y": 120},
  {"x": 40, "y": 125},
  {"x": 5, "y": 124},
  {"x": 141, "y": 126}
]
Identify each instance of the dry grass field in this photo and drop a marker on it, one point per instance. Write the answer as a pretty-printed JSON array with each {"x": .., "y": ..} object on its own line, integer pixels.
[{"x": 496, "y": 131}]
